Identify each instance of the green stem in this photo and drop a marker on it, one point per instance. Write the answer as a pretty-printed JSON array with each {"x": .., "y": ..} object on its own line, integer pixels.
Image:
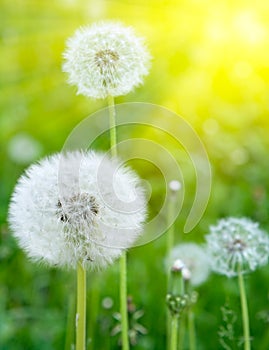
[
  {"x": 112, "y": 123},
  {"x": 244, "y": 307},
  {"x": 123, "y": 302},
  {"x": 123, "y": 260},
  {"x": 181, "y": 332},
  {"x": 191, "y": 326},
  {"x": 174, "y": 330},
  {"x": 181, "y": 325},
  {"x": 171, "y": 231},
  {"x": 169, "y": 247},
  {"x": 81, "y": 308},
  {"x": 168, "y": 330}
]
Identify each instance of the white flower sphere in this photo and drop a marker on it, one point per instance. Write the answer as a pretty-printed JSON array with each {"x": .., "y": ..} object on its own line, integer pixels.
[
  {"x": 195, "y": 260},
  {"x": 23, "y": 148},
  {"x": 174, "y": 185},
  {"x": 105, "y": 59},
  {"x": 237, "y": 242},
  {"x": 78, "y": 207}
]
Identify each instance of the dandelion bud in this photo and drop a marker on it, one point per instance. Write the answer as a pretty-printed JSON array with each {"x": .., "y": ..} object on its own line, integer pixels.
[
  {"x": 186, "y": 274},
  {"x": 195, "y": 262},
  {"x": 177, "y": 265}
]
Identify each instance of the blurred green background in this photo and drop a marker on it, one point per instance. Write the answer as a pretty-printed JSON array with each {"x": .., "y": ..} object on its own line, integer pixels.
[{"x": 210, "y": 65}]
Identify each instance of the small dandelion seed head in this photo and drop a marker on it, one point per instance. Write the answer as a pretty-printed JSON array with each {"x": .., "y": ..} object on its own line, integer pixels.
[
  {"x": 105, "y": 59},
  {"x": 23, "y": 148},
  {"x": 195, "y": 264},
  {"x": 174, "y": 185},
  {"x": 107, "y": 303},
  {"x": 235, "y": 242},
  {"x": 70, "y": 208}
]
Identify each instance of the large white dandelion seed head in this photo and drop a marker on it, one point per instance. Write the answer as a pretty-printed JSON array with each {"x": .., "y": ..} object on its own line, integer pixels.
[
  {"x": 194, "y": 259},
  {"x": 105, "y": 59},
  {"x": 237, "y": 243},
  {"x": 78, "y": 207}
]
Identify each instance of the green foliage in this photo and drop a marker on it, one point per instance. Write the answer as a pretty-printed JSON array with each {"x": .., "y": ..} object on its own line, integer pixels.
[{"x": 210, "y": 66}]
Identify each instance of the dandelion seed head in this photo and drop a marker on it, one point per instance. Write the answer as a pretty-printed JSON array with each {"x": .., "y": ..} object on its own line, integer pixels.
[
  {"x": 81, "y": 206},
  {"x": 235, "y": 242},
  {"x": 105, "y": 59},
  {"x": 23, "y": 148},
  {"x": 195, "y": 262},
  {"x": 174, "y": 185},
  {"x": 107, "y": 303}
]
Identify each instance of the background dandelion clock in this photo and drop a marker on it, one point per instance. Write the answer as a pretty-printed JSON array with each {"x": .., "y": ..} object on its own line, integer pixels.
[
  {"x": 70, "y": 208},
  {"x": 237, "y": 246},
  {"x": 237, "y": 242},
  {"x": 105, "y": 59}
]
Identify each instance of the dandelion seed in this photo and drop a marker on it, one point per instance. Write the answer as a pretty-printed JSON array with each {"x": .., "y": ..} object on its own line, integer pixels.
[
  {"x": 70, "y": 208},
  {"x": 194, "y": 262},
  {"x": 235, "y": 242},
  {"x": 105, "y": 59}
]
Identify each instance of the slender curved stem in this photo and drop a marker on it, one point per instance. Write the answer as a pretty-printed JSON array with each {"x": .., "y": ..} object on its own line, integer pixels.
[
  {"x": 112, "y": 122},
  {"x": 169, "y": 246},
  {"x": 171, "y": 231},
  {"x": 191, "y": 326},
  {"x": 181, "y": 332},
  {"x": 81, "y": 308},
  {"x": 123, "y": 258},
  {"x": 174, "y": 332},
  {"x": 244, "y": 307},
  {"x": 123, "y": 302}
]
